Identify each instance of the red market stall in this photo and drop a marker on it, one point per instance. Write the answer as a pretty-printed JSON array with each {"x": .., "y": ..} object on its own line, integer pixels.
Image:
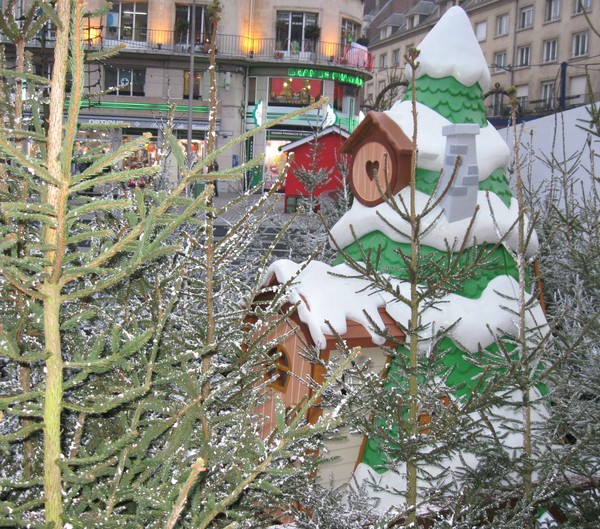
[{"x": 330, "y": 141}]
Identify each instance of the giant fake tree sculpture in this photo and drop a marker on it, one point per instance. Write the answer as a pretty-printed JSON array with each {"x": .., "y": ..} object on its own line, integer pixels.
[{"x": 437, "y": 241}]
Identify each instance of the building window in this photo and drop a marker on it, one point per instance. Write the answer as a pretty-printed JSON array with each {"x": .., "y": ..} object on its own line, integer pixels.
[
  {"x": 580, "y": 44},
  {"x": 186, "y": 85},
  {"x": 252, "y": 90},
  {"x": 552, "y": 10},
  {"x": 396, "y": 57},
  {"x": 383, "y": 61},
  {"x": 183, "y": 25},
  {"x": 497, "y": 107},
  {"x": 548, "y": 94},
  {"x": 294, "y": 92},
  {"x": 350, "y": 31},
  {"x": 578, "y": 90},
  {"x": 550, "y": 53},
  {"x": 47, "y": 33},
  {"x": 481, "y": 31},
  {"x": 290, "y": 31},
  {"x": 526, "y": 17},
  {"x": 500, "y": 61},
  {"x": 523, "y": 56},
  {"x": 502, "y": 25},
  {"x": 380, "y": 86},
  {"x": 522, "y": 97},
  {"x": 579, "y": 6},
  {"x": 279, "y": 371},
  {"x": 128, "y": 21},
  {"x": 125, "y": 81},
  {"x": 385, "y": 32}
]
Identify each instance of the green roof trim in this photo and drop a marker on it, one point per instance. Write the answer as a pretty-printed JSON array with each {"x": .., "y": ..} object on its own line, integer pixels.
[
  {"x": 456, "y": 102},
  {"x": 386, "y": 255}
]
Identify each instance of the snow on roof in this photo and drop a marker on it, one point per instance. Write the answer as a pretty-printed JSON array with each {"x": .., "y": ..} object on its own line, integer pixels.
[
  {"x": 492, "y": 151},
  {"x": 334, "y": 129},
  {"x": 328, "y": 296},
  {"x": 493, "y": 221},
  {"x": 451, "y": 49}
]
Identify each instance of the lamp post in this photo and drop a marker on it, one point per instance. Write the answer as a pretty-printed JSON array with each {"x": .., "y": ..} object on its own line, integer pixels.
[{"x": 191, "y": 85}]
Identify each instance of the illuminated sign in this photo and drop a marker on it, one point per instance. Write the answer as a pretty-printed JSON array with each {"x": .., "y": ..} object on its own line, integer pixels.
[{"x": 339, "y": 77}]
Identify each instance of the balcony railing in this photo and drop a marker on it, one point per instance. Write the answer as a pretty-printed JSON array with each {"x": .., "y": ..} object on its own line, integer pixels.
[{"x": 230, "y": 46}]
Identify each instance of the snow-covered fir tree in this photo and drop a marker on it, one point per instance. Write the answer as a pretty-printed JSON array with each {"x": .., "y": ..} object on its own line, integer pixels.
[{"x": 131, "y": 364}]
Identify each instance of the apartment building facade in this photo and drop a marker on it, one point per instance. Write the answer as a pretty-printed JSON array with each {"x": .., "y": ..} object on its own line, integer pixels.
[
  {"x": 273, "y": 56},
  {"x": 545, "y": 49}
]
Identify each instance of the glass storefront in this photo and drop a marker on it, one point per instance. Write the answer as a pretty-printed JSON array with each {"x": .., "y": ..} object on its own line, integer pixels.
[{"x": 294, "y": 91}]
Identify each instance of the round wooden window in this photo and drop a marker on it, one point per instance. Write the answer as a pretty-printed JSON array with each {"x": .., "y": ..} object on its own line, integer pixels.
[{"x": 374, "y": 173}]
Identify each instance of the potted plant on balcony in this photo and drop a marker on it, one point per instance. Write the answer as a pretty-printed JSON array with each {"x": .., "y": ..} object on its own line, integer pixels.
[
  {"x": 281, "y": 34},
  {"x": 295, "y": 48},
  {"x": 181, "y": 28},
  {"x": 312, "y": 33}
]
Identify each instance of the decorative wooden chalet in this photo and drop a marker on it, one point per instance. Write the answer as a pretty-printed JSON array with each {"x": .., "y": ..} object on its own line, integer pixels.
[
  {"x": 381, "y": 159},
  {"x": 292, "y": 370}
]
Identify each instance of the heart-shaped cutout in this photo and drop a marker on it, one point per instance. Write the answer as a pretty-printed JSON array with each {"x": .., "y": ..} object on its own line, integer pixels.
[{"x": 372, "y": 169}]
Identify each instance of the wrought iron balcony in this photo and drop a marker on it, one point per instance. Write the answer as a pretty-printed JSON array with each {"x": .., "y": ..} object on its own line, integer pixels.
[{"x": 162, "y": 42}]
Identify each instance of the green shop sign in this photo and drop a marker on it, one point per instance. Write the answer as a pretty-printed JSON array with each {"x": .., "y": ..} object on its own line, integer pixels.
[{"x": 311, "y": 73}]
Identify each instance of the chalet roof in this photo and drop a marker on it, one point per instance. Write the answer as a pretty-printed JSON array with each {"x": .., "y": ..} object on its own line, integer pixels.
[
  {"x": 382, "y": 122},
  {"x": 334, "y": 129}
]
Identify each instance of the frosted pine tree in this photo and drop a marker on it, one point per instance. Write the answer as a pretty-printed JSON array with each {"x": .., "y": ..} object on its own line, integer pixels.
[
  {"x": 569, "y": 231},
  {"x": 130, "y": 369}
]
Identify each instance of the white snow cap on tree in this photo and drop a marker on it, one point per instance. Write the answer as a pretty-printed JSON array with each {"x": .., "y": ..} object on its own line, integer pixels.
[{"x": 451, "y": 49}]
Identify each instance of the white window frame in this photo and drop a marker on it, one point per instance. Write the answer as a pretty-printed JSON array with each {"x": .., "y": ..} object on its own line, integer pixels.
[
  {"x": 580, "y": 91},
  {"x": 139, "y": 31},
  {"x": 523, "y": 56},
  {"x": 184, "y": 13},
  {"x": 383, "y": 61},
  {"x": 502, "y": 25},
  {"x": 481, "y": 30},
  {"x": 126, "y": 73},
  {"x": 500, "y": 65},
  {"x": 292, "y": 19},
  {"x": 550, "y": 51},
  {"x": 579, "y": 6},
  {"x": 580, "y": 43},
  {"x": 526, "y": 17},
  {"x": 548, "y": 93},
  {"x": 350, "y": 30},
  {"x": 522, "y": 96},
  {"x": 552, "y": 10},
  {"x": 396, "y": 57}
]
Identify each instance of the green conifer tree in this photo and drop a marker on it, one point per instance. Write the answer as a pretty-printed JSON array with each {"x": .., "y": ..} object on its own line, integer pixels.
[{"x": 130, "y": 366}]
